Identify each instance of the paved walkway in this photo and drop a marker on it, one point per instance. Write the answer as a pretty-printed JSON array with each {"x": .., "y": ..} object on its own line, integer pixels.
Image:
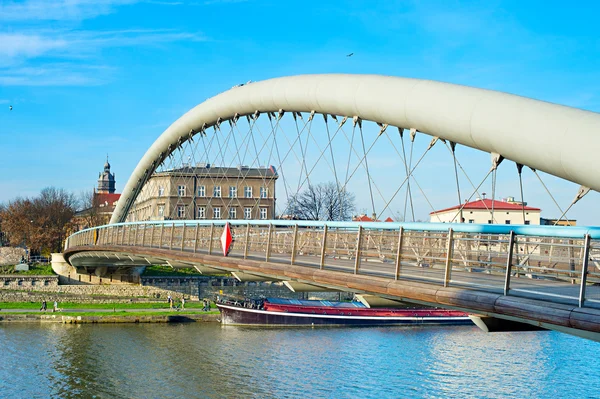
[{"x": 82, "y": 310}]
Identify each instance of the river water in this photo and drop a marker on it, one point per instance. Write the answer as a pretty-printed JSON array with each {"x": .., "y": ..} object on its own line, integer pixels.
[{"x": 205, "y": 360}]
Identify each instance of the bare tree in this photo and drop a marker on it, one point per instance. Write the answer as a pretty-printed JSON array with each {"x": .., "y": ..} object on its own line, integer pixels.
[
  {"x": 89, "y": 213},
  {"x": 323, "y": 201},
  {"x": 40, "y": 223}
]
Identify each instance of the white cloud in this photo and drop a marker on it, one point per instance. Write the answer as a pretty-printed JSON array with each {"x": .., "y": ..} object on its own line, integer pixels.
[
  {"x": 58, "y": 10},
  {"x": 55, "y": 75},
  {"x": 15, "y": 45},
  {"x": 62, "y": 53}
]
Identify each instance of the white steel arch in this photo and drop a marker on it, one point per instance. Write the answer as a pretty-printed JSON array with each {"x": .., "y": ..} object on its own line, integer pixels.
[{"x": 556, "y": 139}]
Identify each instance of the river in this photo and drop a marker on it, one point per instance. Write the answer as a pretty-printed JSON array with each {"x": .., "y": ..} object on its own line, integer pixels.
[{"x": 205, "y": 360}]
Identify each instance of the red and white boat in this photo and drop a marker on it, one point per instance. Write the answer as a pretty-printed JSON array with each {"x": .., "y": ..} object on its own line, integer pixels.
[{"x": 294, "y": 312}]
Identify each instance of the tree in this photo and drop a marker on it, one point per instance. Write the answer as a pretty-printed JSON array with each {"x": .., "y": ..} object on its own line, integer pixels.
[
  {"x": 323, "y": 201},
  {"x": 89, "y": 214},
  {"x": 39, "y": 223}
]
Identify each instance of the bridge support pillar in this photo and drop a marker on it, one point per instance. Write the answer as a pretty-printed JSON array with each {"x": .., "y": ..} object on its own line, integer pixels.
[{"x": 493, "y": 324}]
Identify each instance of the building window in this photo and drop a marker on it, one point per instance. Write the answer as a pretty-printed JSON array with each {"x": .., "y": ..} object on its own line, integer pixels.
[
  {"x": 471, "y": 220},
  {"x": 247, "y": 192},
  {"x": 217, "y": 192},
  {"x": 161, "y": 210},
  {"x": 263, "y": 192},
  {"x": 247, "y": 213},
  {"x": 180, "y": 211},
  {"x": 161, "y": 191},
  {"x": 507, "y": 222},
  {"x": 201, "y": 191},
  {"x": 232, "y": 192},
  {"x": 201, "y": 213},
  {"x": 232, "y": 213},
  {"x": 181, "y": 191},
  {"x": 263, "y": 213},
  {"x": 527, "y": 222},
  {"x": 217, "y": 213}
]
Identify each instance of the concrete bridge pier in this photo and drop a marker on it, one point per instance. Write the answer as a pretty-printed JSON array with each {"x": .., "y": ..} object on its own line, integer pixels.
[{"x": 494, "y": 324}]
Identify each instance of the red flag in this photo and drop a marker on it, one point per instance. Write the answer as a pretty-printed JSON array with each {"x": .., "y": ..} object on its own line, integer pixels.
[{"x": 226, "y": 239}]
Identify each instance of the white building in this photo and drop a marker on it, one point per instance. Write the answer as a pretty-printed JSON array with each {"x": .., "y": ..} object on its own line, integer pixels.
[{"x": 507, "y": 211}]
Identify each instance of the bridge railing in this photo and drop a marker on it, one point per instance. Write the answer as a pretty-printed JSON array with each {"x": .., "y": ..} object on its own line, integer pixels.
[{"x": 561, "y": 264}]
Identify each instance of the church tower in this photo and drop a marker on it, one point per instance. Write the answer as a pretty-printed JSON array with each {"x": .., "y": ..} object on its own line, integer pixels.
[{"x": 106, "y": 180}]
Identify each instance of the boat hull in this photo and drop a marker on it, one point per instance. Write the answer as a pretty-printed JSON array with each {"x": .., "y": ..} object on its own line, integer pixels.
[{"x": 235, "y": 315}]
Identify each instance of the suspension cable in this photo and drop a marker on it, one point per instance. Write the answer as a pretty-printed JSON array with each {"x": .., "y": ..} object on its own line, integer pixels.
[
  {"x": 453, "y": 148},
  {"x": 553, "y": 199},
  {"x": 408, "y": 167},
  {"x": 472, "y": 194},
  {"x": 366, "y": 165},
  {"x": 520, "y": 170}
]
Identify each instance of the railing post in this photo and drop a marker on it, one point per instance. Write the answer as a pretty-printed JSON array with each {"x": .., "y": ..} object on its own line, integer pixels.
[
  {"x": 144, "y": 235},
  {"x": 584, "y": 270},
  {"x": 196, "y": 237},
  {"x": 162, "y": 228},
  {"x": 129, "y": 230},
  {"x": 268, "y": 252},
  {"x": 247, "y": 243},
  {"x": 172, "y": 234},
  {"x": 358, "y": 248},
  {"x": 509, "y": 258},
  {"x": 210, "y": 239},
  {"x": 399, "y": 253},
  {"x": 183, "y": 237},
  {"x": 135, "y": 236},
  {"x": 294, "y": 244},
  {"x": 152, "y": 235},
  {"x": 449, "y": 250},
  {"x": 323, "y": 246},
  {"x": 122, "y": 234}
]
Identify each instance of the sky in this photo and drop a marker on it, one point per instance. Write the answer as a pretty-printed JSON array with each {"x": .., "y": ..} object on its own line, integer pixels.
[{"x": 88, "y": 78}]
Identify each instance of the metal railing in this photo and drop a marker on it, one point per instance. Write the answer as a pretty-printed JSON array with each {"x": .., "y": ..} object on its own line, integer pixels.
[{"x": 555, "y": 263}]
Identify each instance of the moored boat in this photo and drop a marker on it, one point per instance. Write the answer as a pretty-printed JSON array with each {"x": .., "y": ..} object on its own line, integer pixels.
[{"x": 292, "y": 312}]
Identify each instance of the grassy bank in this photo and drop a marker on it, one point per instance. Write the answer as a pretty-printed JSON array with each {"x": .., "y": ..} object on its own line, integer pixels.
[
  {"x": 112, "y": 313},
  {"x": 108, "y": 306},
  {"x": 34, "y": 270},
  {"x": 111, "y": 318}
]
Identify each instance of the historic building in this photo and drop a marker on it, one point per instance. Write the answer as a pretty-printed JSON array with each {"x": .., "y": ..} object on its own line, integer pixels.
[
  {"x": 506, "y": 211},
  {"x": 106, "y": 180},
  {"x": 101, "y": 204},
  {"x": 207, "y": 192}
]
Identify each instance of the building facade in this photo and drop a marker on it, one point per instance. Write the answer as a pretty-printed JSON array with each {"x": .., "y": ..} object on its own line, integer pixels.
[
  {"x": 507, "y": 211},
  {"x": 207, "y": 192}
]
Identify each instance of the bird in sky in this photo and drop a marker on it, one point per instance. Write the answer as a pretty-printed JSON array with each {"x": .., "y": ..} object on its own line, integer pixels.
[
  {"x": 349, "y": 55},
  {"x": 10, "y": 107}
]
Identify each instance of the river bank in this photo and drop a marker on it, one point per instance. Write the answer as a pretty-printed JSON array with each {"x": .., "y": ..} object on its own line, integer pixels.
[{"x": 119, "y": 317}]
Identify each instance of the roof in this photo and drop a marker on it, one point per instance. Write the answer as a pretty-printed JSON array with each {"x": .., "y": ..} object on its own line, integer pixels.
[
  {"x": 365, "y": 218},
  {"x": 102, "y": 198},
  {"x": 486, "y": 204},
  {"x": 207, "y": 170}
]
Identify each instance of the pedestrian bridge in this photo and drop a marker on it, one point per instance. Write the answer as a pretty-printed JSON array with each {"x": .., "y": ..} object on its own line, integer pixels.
[
  {"x": 320, "y": 147},
  {"x": 546, "y": 276}
]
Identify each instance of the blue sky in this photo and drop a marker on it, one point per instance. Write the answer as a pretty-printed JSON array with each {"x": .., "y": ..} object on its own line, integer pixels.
[{"x": 86, "y": 78}]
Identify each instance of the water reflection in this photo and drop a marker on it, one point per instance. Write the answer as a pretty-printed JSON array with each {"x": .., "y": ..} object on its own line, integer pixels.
[{"x": 210, "y": 361}]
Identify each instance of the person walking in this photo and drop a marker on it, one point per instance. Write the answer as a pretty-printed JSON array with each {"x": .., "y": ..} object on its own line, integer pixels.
[
  {"x": 182, "y": 302},
  {"x": 170, "y": 299},
  {"x": 44, "y": 305},
  {"x": 55, "y": 309}
]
